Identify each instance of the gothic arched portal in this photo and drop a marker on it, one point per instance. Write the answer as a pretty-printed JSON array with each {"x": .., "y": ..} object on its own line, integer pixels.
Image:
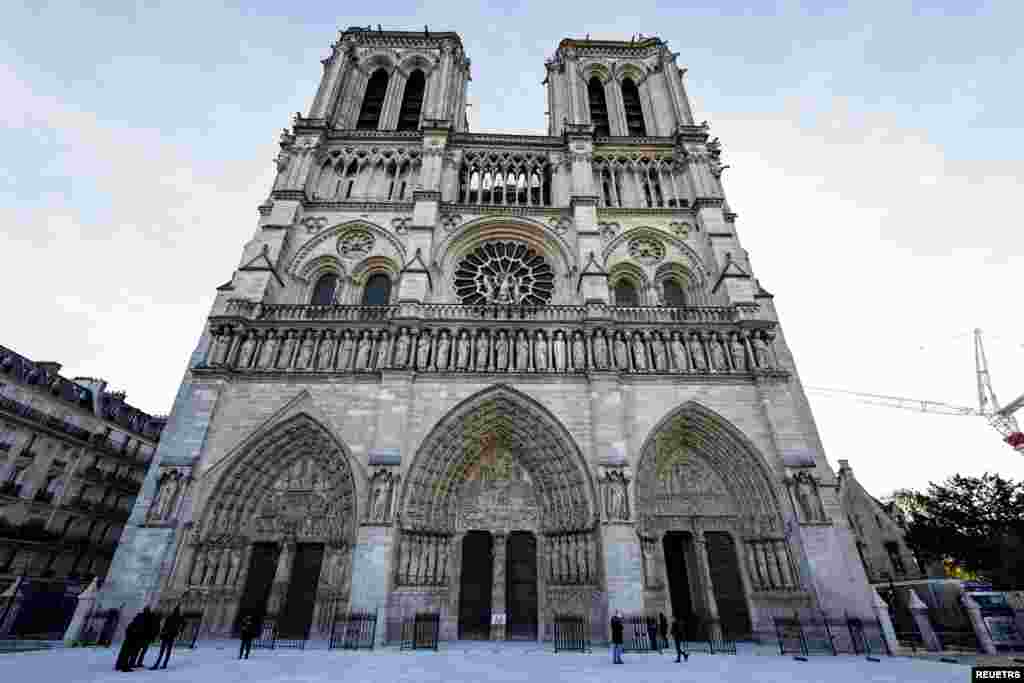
[{"x": 276, "y": 534}]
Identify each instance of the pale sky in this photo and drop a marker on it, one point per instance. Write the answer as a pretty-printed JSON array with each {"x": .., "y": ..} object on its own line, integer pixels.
[{"x": 875, "y": 157}]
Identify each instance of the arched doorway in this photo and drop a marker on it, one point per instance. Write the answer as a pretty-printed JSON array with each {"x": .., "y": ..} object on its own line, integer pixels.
[
  {"x": 704, "y": 493},
  {"x": 503, "y": 483},
  {"x": 275, "y": 535}
]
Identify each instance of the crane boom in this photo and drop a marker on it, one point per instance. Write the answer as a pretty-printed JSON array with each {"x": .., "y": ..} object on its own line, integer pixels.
[{"x": 915, "y": 404}]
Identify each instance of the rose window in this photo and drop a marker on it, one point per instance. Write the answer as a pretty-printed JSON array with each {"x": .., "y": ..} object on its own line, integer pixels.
[{"x": 504, "y": 273}]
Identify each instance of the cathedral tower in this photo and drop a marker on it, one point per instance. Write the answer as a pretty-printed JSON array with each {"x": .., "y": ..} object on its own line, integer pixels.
[{"x": 494, "y": 376}]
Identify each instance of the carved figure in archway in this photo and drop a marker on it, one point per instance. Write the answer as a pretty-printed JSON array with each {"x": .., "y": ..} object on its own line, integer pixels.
[
  {"x": 266, "y": 359},
  {"x": 697, "y": 353},
  {"x": 443, "y": 347},
  {"x": 305, "y": 353},
  {"x": 501, "y": 352},
  {"x": 540, "y": 360},
  {"x": 621, "y": 352},
  {"x": 600, "y": 350},
  {"x": 718, "y": 361},
  {"x": 616, "y": 504},
  {"x": 423, "y": 351},
  {"x": 344, "y": 359},
  {"x": 402, "y": 349},
  {"x": 219, "y": 350},
  {"x": 657, "y": 352},
  {"x": 558, "y": 352},
  {"x": 363, "y": 351},
  {"x": 383, "y": 350},
  {"x": 639, "y": 352},
  {"x": 762, "y": 354},
  {"x": 522, "y": 352},
  {"x": 482, "y": 351},
  {"x": 679, "y": 359},
  {"x": 579, "y": 351},
  {"x": 739, "y": 353},
  {"x": 248, "y": 347},
  {"x": 326, "y": 347},
  {"x": 462, "y": 362},
  {"x": 808, "y": 498}
]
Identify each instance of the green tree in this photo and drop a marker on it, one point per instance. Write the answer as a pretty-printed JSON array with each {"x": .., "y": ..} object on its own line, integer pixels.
[{"x": 975, "y": 522}]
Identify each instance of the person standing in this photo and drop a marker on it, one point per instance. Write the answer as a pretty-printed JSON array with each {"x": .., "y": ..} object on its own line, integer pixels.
[
  {"x": 678, "y": 636},
  {"x": 617, "y": 638},
  {"x": 150, "y": 631},
  {"x": 172, "y": 627},
  {"x": 652, "y": 634},
  {"x": 662, "y": 630},
  {"x": 247, "y": 633},
  {"x": 133, "y": 634}
]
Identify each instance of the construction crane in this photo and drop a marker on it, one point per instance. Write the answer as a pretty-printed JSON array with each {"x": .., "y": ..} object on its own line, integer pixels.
[{"x": 988, "y": 405}]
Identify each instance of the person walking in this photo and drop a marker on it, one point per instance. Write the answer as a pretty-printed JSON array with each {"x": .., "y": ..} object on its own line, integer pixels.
[
  {"x": 168, "y": 634},
  {"x": 662, "y": 631},
  {"x": 617, "y": 638},
  {"x": 150, "y": 632},
  {"x": 247, "y": 632},
  {"x": 652, "y": 634},
  {"x": 133, "y": 635},
  {"x": 678, "y": 635}
]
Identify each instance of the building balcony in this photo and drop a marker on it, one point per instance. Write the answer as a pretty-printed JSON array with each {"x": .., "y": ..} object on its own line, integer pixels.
[{"x": 702, "y": 341}]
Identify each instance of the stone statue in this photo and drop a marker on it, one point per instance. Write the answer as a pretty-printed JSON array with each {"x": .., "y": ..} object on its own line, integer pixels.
[
  {"x": 380, "y": 493},
  {"x": 540, "y": 360},
  {"x": 762, "y": 354},
  {"x": 482, "y": 348},
  {"x": 248, "y": 346},
  {"x": 718, "y": 361},
  {"x": 402, "y": 349},
  {"x": 305, "y": 353},
  {"x": 326, "y": 347},
  {"x": 739, "y": 355},
  {"x": 558, "y": 352},
  {"x": 383, "y": 351},
  {"x": 658, "y": 360},
  {"x": 579, "y": 352},
  {"x": 220, "y": 348},
  {"x": 287, "y": 350},
  {"x": 462, "y": 361},
  {"x": 344, "y": 359},
  {"x": 697, "y": 354},
  {"x": 501, "y": 352},
  {"x": 522, "y": 352},
  {"x": 622, "y": 353},
  {"x": 443, "y": 346},
  {"x": 266, "y": 359},
  {"x": 804, "y": 494},
  {"x": 159, "y": 509},
  {"x": 600, "y": 350},
  {"x": 639, "y": 352},
  {"x": 423, "y": 351},
  {"x": 679, "y": 359},
  {"x": 363, "y": 352}
]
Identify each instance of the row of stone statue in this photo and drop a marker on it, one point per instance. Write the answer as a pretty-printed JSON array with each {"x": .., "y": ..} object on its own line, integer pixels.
[
  {"x": 488, "y": 350},
  {"x": 571, "y": 558},
  {"x": 422, "y": 560},
  {"x": 770, "y": 566}
]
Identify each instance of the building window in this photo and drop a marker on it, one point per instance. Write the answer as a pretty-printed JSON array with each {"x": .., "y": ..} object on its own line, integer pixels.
[
  {"x": 377, "y": 291},
  {"x": 412, "y": 101},
  {"x": 893, "y": 549},
  {"x": 598, "y": 107},
  {"x": 323, "y": 292},
  {"x": 634, "y": 112},
  {"x": 373, "y": 101},
  {"x": 625, "y": 294},
  {"x": 673, "y": 293}
]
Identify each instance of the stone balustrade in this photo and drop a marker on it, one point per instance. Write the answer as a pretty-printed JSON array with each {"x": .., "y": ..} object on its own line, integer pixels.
[{"x": 703, "y": 340}]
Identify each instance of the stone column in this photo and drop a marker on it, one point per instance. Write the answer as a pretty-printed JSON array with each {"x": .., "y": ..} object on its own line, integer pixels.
[
  {"x": 498, "y": 585},
  {"x": 882, "y": 612},
  {"x": 542, "y": 580},
  {"x": 282, "y": 577},
  {"x": 700, "y": 548},
  {"x": 924, "y": 624},
  {"x": 978, "y": 622},
  {"x": 86, "y": 601}
]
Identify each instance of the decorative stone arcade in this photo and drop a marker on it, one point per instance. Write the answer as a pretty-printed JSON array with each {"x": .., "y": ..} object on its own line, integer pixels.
[{"x": 498, "y": 523}]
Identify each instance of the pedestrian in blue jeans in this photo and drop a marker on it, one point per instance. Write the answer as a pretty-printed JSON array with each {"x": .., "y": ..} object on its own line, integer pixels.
[{"x": 617, "y": 638}]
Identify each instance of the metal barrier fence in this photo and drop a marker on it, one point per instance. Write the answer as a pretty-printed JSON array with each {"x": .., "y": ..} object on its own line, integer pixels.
[
  {"x": 571, "y": 633},
  {"x": 189, "y": 634},
  {"x": 711, "y": 636},
  {"x": 354, "y": 631},
  {"x": 637, "y": 633},
  {"x": 821, "y": 633},
  {"x": 422, "y": 631},
  {"x": 99, "y": 627},
  {"x": 954, "y": 629},
  {"x": 267, "y": 635},
  {"x": 271, "y": 638}
]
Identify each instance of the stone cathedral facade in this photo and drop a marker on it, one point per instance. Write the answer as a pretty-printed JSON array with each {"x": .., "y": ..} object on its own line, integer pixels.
[{"x": 495, "y": 376}]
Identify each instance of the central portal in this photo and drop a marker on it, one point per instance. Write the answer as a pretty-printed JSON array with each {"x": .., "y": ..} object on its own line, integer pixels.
[
  {"x": 475, "y": 592},
  {"x": 485, "y": 568},
  {"x": 521, "y": 586}
]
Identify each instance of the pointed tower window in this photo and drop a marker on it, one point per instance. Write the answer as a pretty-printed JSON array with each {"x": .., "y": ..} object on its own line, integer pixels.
[
  {"x": 373, "y": 101},
  {"x": 323, "y": 292},
  {"x": 625, "y": 294},
  {"x": 598, "y": 107},
  {"x": 412, "y": 101},
  {"x": 634, "y": 112},
  {"x": 377, "y": 291}
]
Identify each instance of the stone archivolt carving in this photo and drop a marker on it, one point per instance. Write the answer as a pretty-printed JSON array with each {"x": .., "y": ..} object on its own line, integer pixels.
[
  {"x": 450, "y": 221},
  {"x": 679, "y": 228},
  {"x": 608, "y": 230},
  {"x": 401, "y": 224},
  {"x": 355, "y": 243},
  {"x": 314, "y": 224},
  {"x": 504, "y": 273},
  {"x": 490, "y": 349},
  {"x": 647, "y": 250},
  {"x": 560, "y": 224}
]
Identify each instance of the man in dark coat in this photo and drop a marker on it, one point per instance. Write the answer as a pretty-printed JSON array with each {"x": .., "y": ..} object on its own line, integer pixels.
[
  {"x": 662, "y": 630},
  {"x": 247, "y": 632},
  {"x": 133, "y": 635},
  {"x": 150, "y": 632},
  {"x": 168, "y": 634},
  {"x": 652, "y": 634},
  {"x": 617, "y": 638},
  {"x": 678, "y": 635}
]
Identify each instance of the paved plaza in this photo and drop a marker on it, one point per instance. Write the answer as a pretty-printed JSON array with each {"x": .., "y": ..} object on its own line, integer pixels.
[{"x": 218, "y": 663}]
